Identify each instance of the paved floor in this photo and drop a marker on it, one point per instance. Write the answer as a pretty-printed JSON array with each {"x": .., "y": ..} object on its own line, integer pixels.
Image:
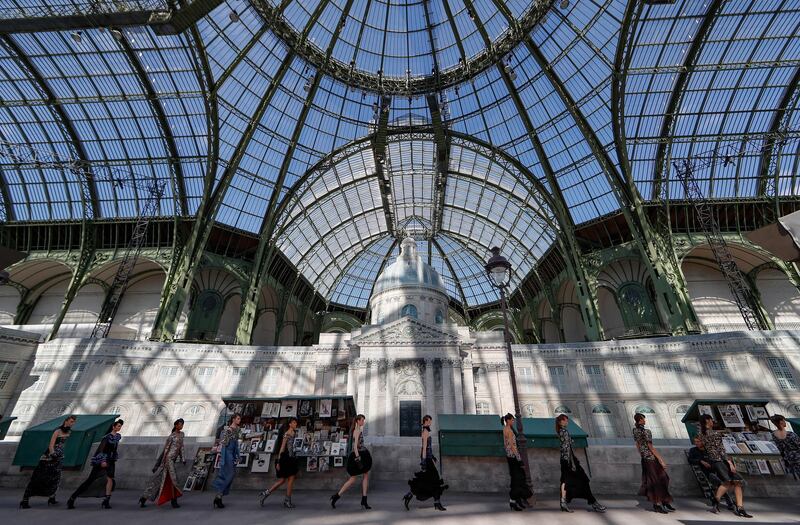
[{"x": 313, "y": 509}]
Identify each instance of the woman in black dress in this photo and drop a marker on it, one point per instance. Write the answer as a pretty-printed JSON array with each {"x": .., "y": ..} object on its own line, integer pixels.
[
  {"x": 47, "y": 475},
  {"x": 520, "y": 492},
  {"x": 100, "y": 482},
  {"x": 574, "y": 481},
  {"x": 426, "y": 483},
  {"x": 655, "y": 481},
  {"x": 358, "y": 464},
  {"x": 285, "y": 466},
  {"x": 721, "y": 466}
]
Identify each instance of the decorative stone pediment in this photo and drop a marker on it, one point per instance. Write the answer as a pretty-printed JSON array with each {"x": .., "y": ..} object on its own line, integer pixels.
[{"x": 406, "y": 332}]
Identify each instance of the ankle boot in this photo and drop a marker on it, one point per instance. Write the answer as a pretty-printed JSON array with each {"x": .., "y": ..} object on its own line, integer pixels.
[
  {"x": 24, "y": 504},
  {"x": 52, "y": 500},
  {"x": 660, "y": 509},
  {"x": 597, "y": 507},
  {"x": 564, "y": 507},
  {"x": 336, "y": 497},
  {"x": 438, "y": 505},
  {"x": 174, "y": 503},
  {"x": 287, "y": 502},
  {"x": 263, "y": 496},
  {"x": 142, "y": 502},
  {"x": 742, "y": 513},
  {"x": 106, "y": 503},
  {"x": 364, "y": 503},
  {"x": 407, "y": 500},
  {"x": 71, "y": 503},
  {"x": 714, "y": 505},
  {"x": 513, "y": 505},
  {"x": 218, "y": 503}
]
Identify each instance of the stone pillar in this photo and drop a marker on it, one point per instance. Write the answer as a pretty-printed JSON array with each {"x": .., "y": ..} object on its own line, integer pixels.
[
  {"x": 351, "y": 380},
  {"x": 430, "y": 394},
  {"x": 373, "y": 412},
  {"x": 390, "y": 415},
  {"x": 469, "y": 387},
  {"x": 585, "y": 422},
  {"x": 319, "y": 381},
  {"x": 458, "y": 389},
  {"x": 361, "y": 371},
  {"x": 506, "y": 394},
  {"x": 625, "y": 422},
  {"x": 447, "y": 386}
]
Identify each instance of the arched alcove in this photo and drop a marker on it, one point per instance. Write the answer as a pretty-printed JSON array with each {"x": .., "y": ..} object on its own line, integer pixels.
[{"x": 780, "y": 297}]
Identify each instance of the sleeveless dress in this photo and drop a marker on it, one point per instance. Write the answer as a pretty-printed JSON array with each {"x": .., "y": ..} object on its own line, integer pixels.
[
  {"x": 575, "y": 480},
  {"x": 95, "y": 484},
  {"x": 353, "y": 467},
  {"x": 46, "y": 476},
  {"x": 519, "y": 486},
  {"x": 287, "y": 459},
  {"x": 227, "y": 463},
  {"x": 427, "y": 483}
]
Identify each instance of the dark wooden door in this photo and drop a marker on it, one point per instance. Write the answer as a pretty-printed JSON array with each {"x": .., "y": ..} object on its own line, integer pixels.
[{"x": 410, "y": 418}]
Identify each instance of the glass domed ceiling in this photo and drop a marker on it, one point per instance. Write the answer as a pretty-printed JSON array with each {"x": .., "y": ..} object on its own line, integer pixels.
[{"x": 259, "y": 121}]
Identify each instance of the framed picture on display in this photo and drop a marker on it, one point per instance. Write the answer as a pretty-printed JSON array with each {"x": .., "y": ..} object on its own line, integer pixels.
[
  {"x": 254, "y": 444},
  {"x": 305, "y": 409},
  {"x": 756, "y": 413},
  {"x": 189, "y": 485},
  {"x": 323, "y": 464},
  {"x": 270, "y": 446},
  {"x": 261, "y": 462},
  {"x": 311, "y": 466},
  {"x": 288, "y": 408},
  {"x": 325, "y": 406},
  {"x": 338, "y": 461},
  {"x": 244, "y": 460},
  {"x": 731, "y": 416},
  {"x": 705, "y": 410}
]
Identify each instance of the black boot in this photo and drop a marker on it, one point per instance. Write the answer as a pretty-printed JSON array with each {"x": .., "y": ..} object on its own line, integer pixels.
[
  {"x": 714, "y": 505},
  {"x": 24, "y": 504},
  {"x": 742, "y": 513},
  {"x": 336, "y": 497},
  {"x": 407, "y": 500},
  {"x": 660, "y": 509},
  {"x": 52, "y": 500},
  {"x": 513, "y": 505},
  {"x": 564, "y": 507},
  {"x": 174, "y": 503},
  {"x": 106, "y": 503},
  {"x": 364, "y": 504},
  {"x": 218, "y": 503},
  {"x": 438, "y": 505},
  {"x": 669, "y": 507},
  {"x": 71, "y": 503},
  {"x": 142, "y": 502}
]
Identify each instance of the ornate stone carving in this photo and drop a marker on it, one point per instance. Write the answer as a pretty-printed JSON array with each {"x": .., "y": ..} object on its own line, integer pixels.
[{"x": 407, "y": 332}]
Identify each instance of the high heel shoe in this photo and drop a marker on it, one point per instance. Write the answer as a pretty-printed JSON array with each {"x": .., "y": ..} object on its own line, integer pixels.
[
  {"x": 597, "y": 507},
  {"x": 364, "y": 504},
  {"x": 174, "y": 503},
  {"x": 287, "y": 502},
  {"x": 24, "y": 504},
  {"x": 70, "y": 503},
  {"x": 52, "y": 500},
  {"x": 142, "y": 502},
  {"x": 669, "y": 508},
  {"x": 659, "y": 509},
  {"x": 714, "y": 505},
  {"x": 742, "y": 513},
  {"x": 513, "y": 505},
  {"x": 106, "y": 503},
  {"x": 336, "y": 497},
  {"x": 521, "y": 502},
  {"x": 438, "y": 505},
  {"x": 564, "y": 507},
  {"x": 263, "y": 495},
  {"x": 407, "y": 500},
  {"x": 218, "y": 503}
]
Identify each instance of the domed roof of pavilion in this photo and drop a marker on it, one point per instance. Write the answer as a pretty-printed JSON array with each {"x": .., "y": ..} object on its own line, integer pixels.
[
  {"x": 408, "y": 271},
  {"x": 324, "y": 131}
]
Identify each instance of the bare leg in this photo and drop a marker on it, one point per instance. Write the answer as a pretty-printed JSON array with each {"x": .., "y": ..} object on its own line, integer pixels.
[
  {"x": 109, "y": 485},
  {"x": 563, "y": 491},
  {"x": 364, "y": 484},
  {"x": 277, "y": 484},
  {"x": 721, "y": 490},
  {"x": 347, "y": 484},
  {"x": 290, "y": 486},
  {"x": 737, "y": 489}
]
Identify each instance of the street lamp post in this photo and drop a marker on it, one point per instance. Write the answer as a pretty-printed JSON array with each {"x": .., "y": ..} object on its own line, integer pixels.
[{"x": 499, "y": 270}]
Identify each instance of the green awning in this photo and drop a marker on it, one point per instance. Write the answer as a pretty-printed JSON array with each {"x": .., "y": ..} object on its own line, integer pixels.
[
  {"x": 795, "y": 422},
  {"x": 5, "y": 423},
  {"x": 482, "y": 435},
  {"x": 88, "y": 429}
]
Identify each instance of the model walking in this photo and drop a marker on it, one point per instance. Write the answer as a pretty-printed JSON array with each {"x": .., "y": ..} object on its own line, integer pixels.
[
  {"x": 655, "y": 481},
  {"x": 163, "y": 484},
  {"x": 574, "y": 481},
  {"x": 520, "y": 492},
  {"x": 285, "y": 466},
  {"x": 721, "y": 466},
  {"x": 229, "y": 452},
  {"x": 788, "y": 443},
  {"x": 358, "y": 464},
  {"x": 100, "y": 482},
  {"x": 426, "y": 483},
  {"x": 47, "y": 475}
]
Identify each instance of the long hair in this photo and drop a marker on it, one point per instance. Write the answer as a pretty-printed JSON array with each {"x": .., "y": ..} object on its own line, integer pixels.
[
  {"x": 115, "y": 423},
  {"x": 355, "y": 422},
  {"x": 175, "y": 424},
  {"x": 703, "y": 420},
  {"x": 559, "y": 419},
  {"x": 505, "y": 419}
]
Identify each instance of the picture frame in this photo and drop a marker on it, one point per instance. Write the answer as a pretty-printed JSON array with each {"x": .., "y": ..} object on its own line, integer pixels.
[
  {"x": 731, "y": 416},
  {"x": 305, "y": 408},
  {"x": 288, "y": 408},
  {"x": 189, "y": 485},
  {"x": 325, "y": 406},
  {"x": 243, "y": 461},
  {"x": 311, "y": 465},
  {"x": 334, "y": 449},
  {"x": 755, "y": 413},
  {"x": 209, "y": 457},
  {"x": 705, "y": 410},
  {"x": 323, "y": 464},
  {"x": 261, "y": 463},
  {"x": 254, "y": 444},
  {"x": 270, "y": 445},
  {"x": 298, "y": 443},
  {"x": 338, "y": 461}
]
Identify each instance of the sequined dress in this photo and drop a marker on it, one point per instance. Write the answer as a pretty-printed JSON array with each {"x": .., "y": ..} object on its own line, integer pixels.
[
  {"x": 164, "y": 482},
  {"x": 46, "y": 476}
]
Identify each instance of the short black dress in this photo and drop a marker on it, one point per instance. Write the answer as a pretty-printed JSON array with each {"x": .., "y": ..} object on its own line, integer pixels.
[
  {"x": 287, "y": 459},
  {"x": 356, "y": 468},
  {"x": 427, "y": 483}
]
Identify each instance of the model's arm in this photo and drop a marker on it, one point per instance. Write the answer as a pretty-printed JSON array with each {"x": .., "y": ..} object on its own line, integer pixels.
[
  {"x": 51, "y": 447},
  {"x": 656, "y": 454},
  {"x": 425, "y": 434},
  {"x": 356, "y": 435}
]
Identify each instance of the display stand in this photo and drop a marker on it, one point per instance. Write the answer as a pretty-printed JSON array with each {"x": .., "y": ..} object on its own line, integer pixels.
[
  {"x": 321, "y": 443},
  {"x": 747, "y": 433}
]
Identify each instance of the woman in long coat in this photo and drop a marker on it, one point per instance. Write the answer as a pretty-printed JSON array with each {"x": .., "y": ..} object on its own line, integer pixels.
[
  {"x": 46, "y": 476},
  {"x": 163, "y": 484},
  {"x": 100, "y": 482},
  {"x": 229, "y": 452}
]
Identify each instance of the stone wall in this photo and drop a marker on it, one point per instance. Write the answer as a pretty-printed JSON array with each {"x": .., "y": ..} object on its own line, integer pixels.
[{"x": 615, "y": 470}]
